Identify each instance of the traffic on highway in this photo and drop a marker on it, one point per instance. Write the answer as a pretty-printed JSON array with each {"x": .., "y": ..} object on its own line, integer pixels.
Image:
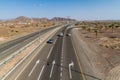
[{"x": 55, "y": 59}]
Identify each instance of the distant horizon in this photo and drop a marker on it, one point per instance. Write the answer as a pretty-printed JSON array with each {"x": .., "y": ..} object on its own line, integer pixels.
[
  {"x": 34, "y": 17},
  {"x": 66, "y": 17},
  {"x": 75, "y": 9}
]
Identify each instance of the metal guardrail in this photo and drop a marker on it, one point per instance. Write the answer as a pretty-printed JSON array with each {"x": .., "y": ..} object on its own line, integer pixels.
[
  {"x": 17, "y": 52},
  {"x": 3, "y": 78},
  {"x": 21, "y": 49}
]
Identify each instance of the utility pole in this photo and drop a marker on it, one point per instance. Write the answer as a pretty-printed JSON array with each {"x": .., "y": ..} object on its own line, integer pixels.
[
  {"x": 56, "y": 22},
  {"x": 68, "y": 17}
]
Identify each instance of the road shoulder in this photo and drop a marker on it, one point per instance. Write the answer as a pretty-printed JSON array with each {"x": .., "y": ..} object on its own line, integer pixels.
[{"x": 94, "y": 65}]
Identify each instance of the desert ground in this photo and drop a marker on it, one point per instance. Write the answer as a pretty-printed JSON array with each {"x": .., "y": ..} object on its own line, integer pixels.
[{"x": 106, "y": 35}]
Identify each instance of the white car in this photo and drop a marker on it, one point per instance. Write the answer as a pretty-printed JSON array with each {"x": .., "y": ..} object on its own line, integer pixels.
[
  {"x": 68, "y": 34},
  {"x": 60, "y": 34}
]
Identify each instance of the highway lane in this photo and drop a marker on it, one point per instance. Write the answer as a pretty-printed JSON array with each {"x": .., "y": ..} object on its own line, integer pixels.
[
  {"x": 26, "y": 72},
  {"x": 10, "y": 47},
  {"x": 54, "y": 62},
  {"x": 70, "y": 61},
  {"x": 52, "y": 69},
  {"x": 62, "y": 63}
]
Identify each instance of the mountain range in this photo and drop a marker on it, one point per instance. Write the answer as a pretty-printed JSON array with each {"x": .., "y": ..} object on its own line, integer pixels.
[{"x": 23, "y": 19}]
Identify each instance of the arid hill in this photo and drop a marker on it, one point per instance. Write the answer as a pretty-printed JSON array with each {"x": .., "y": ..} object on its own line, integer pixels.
[
  {"x": 24, "y": 25},
  {"x": 27, "y": 20},
  {"x": 62, "y": 19}
]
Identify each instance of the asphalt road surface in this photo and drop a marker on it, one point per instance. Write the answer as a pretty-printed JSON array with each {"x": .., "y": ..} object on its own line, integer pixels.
[
  {"x": 10, "y": 47},
  {"x": 57, "y": 61}
]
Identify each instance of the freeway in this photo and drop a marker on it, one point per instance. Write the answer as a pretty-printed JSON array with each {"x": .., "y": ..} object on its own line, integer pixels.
[
  {"x": 57, "y": 61},
  {"x": 62, "y": 63},
  {"x": 70, "y": 57},
  {"x": 12, "y": 46}
]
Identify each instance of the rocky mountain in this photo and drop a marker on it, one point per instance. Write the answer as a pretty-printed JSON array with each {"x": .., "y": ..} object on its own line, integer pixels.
[
  {"x": 2, "y": 20},
  {"x": 61, "y": 19},
  {"x": 40, "y": 19},
  {"x": 23, "y": 19}
]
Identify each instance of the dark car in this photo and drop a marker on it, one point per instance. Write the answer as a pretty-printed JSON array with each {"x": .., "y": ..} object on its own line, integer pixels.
[{"x": 50, "y": 41}]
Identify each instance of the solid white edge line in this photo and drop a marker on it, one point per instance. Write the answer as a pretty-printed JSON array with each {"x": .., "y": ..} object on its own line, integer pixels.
[
  {"x": 41, "y": 72},
  {"x": 61, "y": 74},
  {"x": 36, "y": 63},
  {"x": 18, "y": 63},
  {"x": 53, "y": 63},
  {"x": 50, "y": 52},
  {"x": 3, "y": 78}
]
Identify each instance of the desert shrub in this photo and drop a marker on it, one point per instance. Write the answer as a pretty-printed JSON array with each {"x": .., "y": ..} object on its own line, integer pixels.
[
  {"x": 112, "y": 37},
  {"x": 16, "y": 31},
  {"x": 12, "y": 30}
]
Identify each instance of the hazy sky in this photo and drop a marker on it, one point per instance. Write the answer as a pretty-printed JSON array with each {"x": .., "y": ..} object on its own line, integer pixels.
[{"x": 78, "y": 9}]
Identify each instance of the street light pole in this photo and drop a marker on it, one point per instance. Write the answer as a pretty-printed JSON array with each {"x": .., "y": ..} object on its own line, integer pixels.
[{"x": 68, "y": 17}]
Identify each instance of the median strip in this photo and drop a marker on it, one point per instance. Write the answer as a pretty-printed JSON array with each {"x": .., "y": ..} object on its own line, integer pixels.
[{"x": 9, "y": 65}]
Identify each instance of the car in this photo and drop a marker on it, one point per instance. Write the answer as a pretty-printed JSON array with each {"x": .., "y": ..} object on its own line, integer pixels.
[
  {"x": 68, "y": 34},
  {"x": 60, "y": 34},
  {"x": 50, "y": 41}
]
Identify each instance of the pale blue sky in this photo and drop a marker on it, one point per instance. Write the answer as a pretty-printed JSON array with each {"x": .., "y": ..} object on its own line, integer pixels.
[{"x": 78, "y": 9}]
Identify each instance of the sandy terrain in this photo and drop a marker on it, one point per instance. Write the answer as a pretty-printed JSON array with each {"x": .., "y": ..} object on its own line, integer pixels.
[
  {"x": 8, "y": 31},
  {"x": 4, "y": 68},
  {"x": 109, "y": 43}
]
